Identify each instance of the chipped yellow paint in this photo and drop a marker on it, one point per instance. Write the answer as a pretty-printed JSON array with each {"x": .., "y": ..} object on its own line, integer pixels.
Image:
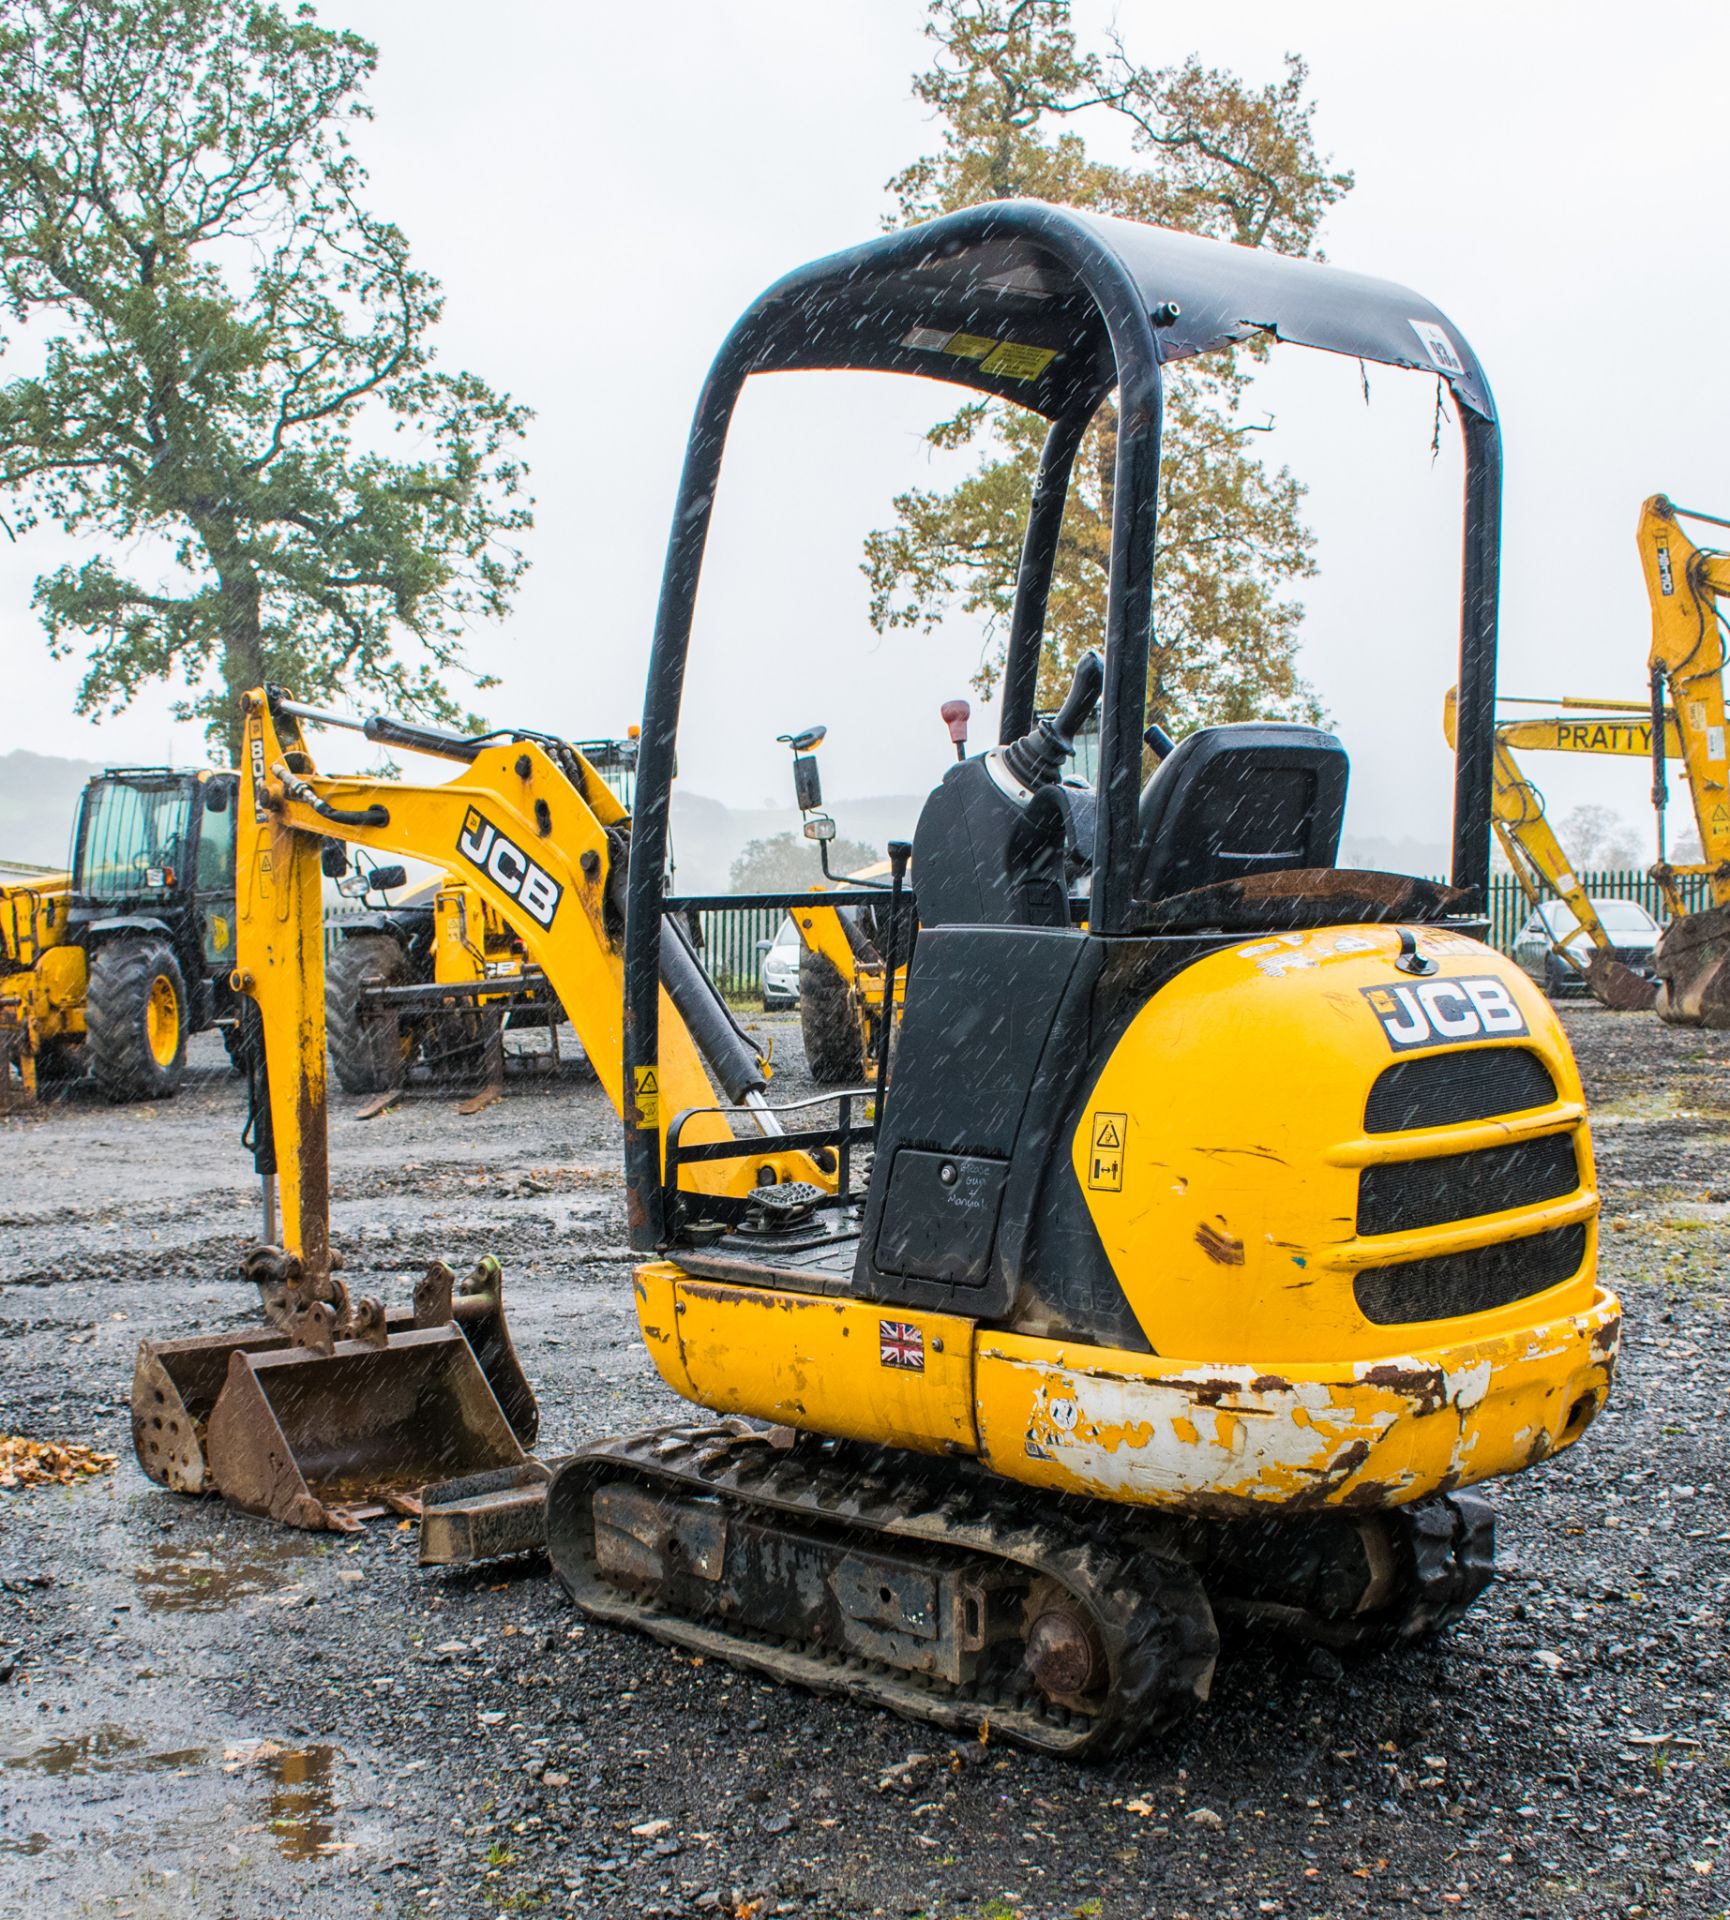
[
  {"x": 1235, "y": 1229},
  {"x": 809, "y": 1360},
  {"x": 1164, "y": 1433}
]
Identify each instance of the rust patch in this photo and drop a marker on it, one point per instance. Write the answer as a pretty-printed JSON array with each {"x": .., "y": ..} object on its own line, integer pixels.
[
  {"x": 1369, "y": 1493},
  {"x": 1269, "y": 1383},
  {"x": 1223, "y": 1248},
  {"x": 1209, "y": 1393},
  {"x": 1427, "y": 1387}
]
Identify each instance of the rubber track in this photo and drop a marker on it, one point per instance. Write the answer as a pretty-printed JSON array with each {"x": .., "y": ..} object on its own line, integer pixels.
[{"x": 1148, "y": 1607}]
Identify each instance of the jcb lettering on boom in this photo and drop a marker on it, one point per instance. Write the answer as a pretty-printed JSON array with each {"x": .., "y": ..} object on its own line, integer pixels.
[
  {"x": 507, "y": 866},
  {"x": 1446, "y": 1012}
]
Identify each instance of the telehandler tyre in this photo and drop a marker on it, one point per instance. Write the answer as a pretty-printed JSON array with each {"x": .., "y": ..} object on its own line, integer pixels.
[
  {"x": 834, "y": 1045},
  {"x": 135, "y": 1020},
  {"x": 368, "y": 1046}
]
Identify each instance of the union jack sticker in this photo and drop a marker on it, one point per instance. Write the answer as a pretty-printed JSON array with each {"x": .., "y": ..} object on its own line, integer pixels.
[{"x": 901, "y": 1344}]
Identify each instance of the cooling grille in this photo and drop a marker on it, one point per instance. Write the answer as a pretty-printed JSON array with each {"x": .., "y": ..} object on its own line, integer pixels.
[
  {"x": 1407, "y": 1194},
  {"x": 1443, "y": 1089},
  {"x": 1450, "y": 1284}
]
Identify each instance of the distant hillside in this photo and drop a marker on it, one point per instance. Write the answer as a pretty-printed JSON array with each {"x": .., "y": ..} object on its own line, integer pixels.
[{"x": 38, "y": 800}]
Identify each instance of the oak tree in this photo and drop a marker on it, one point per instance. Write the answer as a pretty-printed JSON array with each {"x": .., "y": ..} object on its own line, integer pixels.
[
  {"x": 1011, "y": 86},
  {"x": 221, "y": 371}
]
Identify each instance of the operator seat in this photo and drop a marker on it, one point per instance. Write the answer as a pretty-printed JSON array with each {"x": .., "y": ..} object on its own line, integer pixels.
[{"x": 1256, "y": 797}]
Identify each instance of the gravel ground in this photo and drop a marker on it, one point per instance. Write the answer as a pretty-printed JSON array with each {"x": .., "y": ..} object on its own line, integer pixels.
[{"x": 201, "y": 1715}]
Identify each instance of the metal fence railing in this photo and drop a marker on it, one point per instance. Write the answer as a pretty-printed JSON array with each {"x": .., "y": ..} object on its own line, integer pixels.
[{"x": 730, "y": 940}]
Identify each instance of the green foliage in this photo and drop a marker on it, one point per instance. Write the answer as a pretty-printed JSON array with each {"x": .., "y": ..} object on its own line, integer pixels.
[
  {"x": 787, "y": 861},
  {"x": 227, "y": 344},
  {"x": 1218, "y": 158}
]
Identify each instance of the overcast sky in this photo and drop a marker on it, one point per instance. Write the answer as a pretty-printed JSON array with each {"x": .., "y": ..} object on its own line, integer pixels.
[{"x": 602, "y": 189}]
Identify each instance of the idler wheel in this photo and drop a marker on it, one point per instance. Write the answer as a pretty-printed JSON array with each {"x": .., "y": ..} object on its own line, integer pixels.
[{"x": 1062, "y": 1653}]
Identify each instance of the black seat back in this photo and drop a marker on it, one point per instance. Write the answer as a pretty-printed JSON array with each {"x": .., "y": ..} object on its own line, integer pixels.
[{"x": 1259, "y": 797}]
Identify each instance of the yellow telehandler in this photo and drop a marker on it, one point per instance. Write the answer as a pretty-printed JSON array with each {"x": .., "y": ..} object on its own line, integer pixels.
[
  {"x": 107, "y": 969},
  {"x": 1230, "y": 1215}
]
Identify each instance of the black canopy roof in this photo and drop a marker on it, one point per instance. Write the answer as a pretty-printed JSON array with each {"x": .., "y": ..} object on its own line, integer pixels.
[{"x": 1018, "y": 299}]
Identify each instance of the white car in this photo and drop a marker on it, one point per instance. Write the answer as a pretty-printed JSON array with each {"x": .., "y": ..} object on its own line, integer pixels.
[
  {"x": 780, "y": 971},
  {"x": 1632, "y": 930}
]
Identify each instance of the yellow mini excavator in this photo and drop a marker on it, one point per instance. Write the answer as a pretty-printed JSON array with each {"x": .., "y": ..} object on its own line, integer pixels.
[
  {"x": 1619, "y": 980},
  {"x": 1229, "y": 1214}
]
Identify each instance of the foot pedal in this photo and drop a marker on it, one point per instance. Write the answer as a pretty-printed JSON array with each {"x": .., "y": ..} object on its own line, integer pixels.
[{"x": 789, "y": 1204}]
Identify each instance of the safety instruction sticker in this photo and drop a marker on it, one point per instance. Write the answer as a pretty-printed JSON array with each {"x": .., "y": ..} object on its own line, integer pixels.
[
  {"x": 1017, "y": 362},
  {"x": 648, "y": 1097},
  {"x": 1105, "y": 1152},
  {"x": 1010, "y": 359},
  {"x": 1439, "y": 347}
]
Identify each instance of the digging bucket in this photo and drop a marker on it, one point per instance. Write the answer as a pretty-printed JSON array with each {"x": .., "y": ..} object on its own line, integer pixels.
[
  {"x": 1616, "y": 985},
  {"x": 176, "y": 1383},
  {"x": 1692, "y": 962},
  {"x": 326, "y": 1440}
]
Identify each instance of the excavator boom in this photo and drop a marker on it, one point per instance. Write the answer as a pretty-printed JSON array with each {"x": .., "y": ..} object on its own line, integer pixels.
[
  {"x": 342, "y": 1405},
  {"x": 1534, "y": 853},
  {"x": 1684, "y": 583}
]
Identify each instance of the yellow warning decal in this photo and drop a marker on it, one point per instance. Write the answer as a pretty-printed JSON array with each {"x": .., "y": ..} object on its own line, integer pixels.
[
  {"x": 1008, "y": 359},
  {"x": 648, "y": 1097},
  {"x": 219, "y": 933},
  {"x": 1019, "y": 363},
  {"x": 1105, "y": 1154}
]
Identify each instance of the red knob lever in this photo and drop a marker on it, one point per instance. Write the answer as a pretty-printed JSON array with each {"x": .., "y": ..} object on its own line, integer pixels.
[{"x": 955, "y": 715}]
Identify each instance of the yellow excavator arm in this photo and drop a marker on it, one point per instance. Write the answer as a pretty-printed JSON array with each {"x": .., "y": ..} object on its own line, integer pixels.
[
  {"x": 535, "y": 832},
  {"x": 1525, "y": 835},
  {"x": 1683, "y": 584}
]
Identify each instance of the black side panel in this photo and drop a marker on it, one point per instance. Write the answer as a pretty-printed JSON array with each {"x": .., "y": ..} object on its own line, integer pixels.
[
  {"x": 981, "y": 1007},
  {"x": 1005, "y": 1032},
  {"x": 940, "y": 1216},
  {"x": 1049, "y": 1256}
]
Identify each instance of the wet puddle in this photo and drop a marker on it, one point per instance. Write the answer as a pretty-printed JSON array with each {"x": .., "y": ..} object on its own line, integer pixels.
[
  {"x": 301, "y": 1805},
  {"x": 190, "y": 1580},
  {"x": 300, "y": 1810},
  {"x": 104, "y": 1749}
]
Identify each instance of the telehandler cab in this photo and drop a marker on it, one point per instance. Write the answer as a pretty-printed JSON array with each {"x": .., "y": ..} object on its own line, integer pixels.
[
  {"x": 1228, "y": 1213},
  {"x": 106, "y": 970}
]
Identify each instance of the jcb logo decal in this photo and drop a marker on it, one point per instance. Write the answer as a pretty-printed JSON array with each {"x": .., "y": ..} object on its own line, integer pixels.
[
  {"x": 507, "y": 866},
  {"x": 1446, "y": 1012}
]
